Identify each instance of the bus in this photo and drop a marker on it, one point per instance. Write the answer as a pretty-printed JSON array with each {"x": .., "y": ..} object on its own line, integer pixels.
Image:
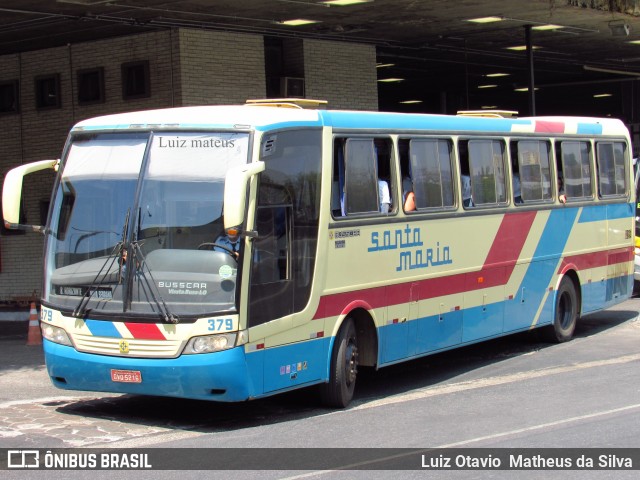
[{"x": 229, "y": 253}]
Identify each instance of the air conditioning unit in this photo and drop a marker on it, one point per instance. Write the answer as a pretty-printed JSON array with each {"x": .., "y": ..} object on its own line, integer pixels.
[{"x": 292, "y": 87}]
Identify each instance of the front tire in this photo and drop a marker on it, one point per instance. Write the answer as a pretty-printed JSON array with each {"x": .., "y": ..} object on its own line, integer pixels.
[
  {"x": 338, "y": 392},
  {"x": 566, "y": 313}
]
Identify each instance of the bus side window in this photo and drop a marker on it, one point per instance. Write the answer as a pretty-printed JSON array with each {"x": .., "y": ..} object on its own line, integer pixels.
[
  {"x": 486, "y": 160},
  {"x": 531, "y": 160},
  {"x": 430, "y": 166},
  {"x": 611, "y": 168},
  {"x": 575, "y": 159},
  {"x": 362, "y": 175}
]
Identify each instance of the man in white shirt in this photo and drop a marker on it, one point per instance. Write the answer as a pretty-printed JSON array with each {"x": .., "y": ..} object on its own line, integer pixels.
[{"x": 384, "y": 196}]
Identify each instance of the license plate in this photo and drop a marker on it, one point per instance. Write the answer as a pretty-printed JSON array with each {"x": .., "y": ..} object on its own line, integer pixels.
[{"x": 126, "y": 376}]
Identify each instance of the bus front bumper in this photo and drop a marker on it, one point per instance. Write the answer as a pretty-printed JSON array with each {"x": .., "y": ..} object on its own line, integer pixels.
[{"x": 221, "y": 376}]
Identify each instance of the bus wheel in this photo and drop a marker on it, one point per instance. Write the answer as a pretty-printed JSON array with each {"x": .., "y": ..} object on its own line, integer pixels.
[
  {"x": 566, "y": 314},
  {"x": 344, "y": 368}
]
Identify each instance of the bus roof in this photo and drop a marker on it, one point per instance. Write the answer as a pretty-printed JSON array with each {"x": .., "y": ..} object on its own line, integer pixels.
[{"x": 263, "y": 118}]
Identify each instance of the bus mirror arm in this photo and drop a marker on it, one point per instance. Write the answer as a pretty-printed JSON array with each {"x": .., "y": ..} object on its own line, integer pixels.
[
  {"x": 12, "y": 193},
  {"x": 235, "y": 193}
]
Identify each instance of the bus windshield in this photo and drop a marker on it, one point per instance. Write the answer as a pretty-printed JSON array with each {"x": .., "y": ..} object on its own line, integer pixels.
[{"x": 137, "y": 225}]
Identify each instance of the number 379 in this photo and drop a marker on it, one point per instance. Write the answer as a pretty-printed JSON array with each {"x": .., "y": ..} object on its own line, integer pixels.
[{"x": 220, "y": 324}]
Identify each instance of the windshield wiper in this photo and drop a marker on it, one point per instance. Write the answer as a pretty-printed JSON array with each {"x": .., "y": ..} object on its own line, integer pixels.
[
  {"x": 81, "y": 309},
  {"x": 140, "y": 260}
]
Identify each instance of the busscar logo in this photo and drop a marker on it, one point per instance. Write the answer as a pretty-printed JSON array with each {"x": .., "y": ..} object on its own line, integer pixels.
[{"x": 23, "y": 459}]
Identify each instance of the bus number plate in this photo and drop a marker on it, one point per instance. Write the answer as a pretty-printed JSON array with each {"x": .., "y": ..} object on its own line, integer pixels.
[{"x": 126, "y": 376}]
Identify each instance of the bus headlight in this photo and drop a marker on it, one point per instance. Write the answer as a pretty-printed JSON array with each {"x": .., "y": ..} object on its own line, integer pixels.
[
  {"x": 55, "y": 334},
  {"x": 214, "y": 343}
]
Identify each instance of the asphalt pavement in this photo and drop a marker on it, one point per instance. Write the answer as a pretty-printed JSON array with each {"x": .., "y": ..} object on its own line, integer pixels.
[{"x": 33, "y": 413}]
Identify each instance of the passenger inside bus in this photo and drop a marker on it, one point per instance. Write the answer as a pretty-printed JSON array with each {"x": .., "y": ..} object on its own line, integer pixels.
[
  {"x": 384, "y": 196},
  {"x": 517, "y": 193},
  {"x": 408, "y": 195},
  {"x": 465, "y": 176},
  {"x": 562, "y": 196},
  {"x": 515, "y": 174}
]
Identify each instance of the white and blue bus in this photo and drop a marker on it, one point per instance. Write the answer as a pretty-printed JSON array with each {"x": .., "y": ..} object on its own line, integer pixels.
[{"x": 228, "y": 253}]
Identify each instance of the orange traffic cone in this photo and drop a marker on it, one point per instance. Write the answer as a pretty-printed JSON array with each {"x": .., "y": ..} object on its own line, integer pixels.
[{"x": 35, "y": 336}]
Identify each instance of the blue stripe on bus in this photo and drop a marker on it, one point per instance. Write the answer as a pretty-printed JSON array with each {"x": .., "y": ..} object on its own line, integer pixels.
[
  {"x": 293, "y": 124},
  {"x": 589, "y": 129},
  {"x": 368, "y": 120},
  {"x": 598, "y": 213},
  {"x": 556, "y": 233},
  {"x": 540, "y": 272},
  {"x": 595, "y": 213},
  {"x": 102, "y": 329}
]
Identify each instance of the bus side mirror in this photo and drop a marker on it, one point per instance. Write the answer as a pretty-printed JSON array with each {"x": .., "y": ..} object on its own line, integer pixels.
[
  {"x": 235, "y": 193},
  {"x": 12, "y": 193}
]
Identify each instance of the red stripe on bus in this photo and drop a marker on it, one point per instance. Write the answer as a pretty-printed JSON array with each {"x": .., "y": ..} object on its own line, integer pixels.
[
  {"x": 504, "y": 252},
  {"x": 380, "y": 297},
  {"x": 145, "y": 331},
  {"x": 509, "y": 242},
  {"x": 510, "y": 238},
  {"x": 598, "y": 259},
  {"x": 549, "y": 127},
  {"x": 621, "y": 256}
]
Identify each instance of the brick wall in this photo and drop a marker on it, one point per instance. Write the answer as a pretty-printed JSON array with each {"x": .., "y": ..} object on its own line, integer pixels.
[
  {"x": 344, "y": 74},
  {"x": 221, "y": 68}
]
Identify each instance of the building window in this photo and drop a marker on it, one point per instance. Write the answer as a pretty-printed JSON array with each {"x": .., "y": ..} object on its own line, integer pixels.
[
  {"x": 135, "y": 80},
  {"x": 91, "y": 86},
  {"x": 48, "y": 91},
  {"x": 9, "y": 97}
]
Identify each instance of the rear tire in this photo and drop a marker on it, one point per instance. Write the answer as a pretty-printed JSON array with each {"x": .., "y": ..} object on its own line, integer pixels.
[
  {"x": 566, "y": 313},
  {"x": 338, "y": 392}
]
